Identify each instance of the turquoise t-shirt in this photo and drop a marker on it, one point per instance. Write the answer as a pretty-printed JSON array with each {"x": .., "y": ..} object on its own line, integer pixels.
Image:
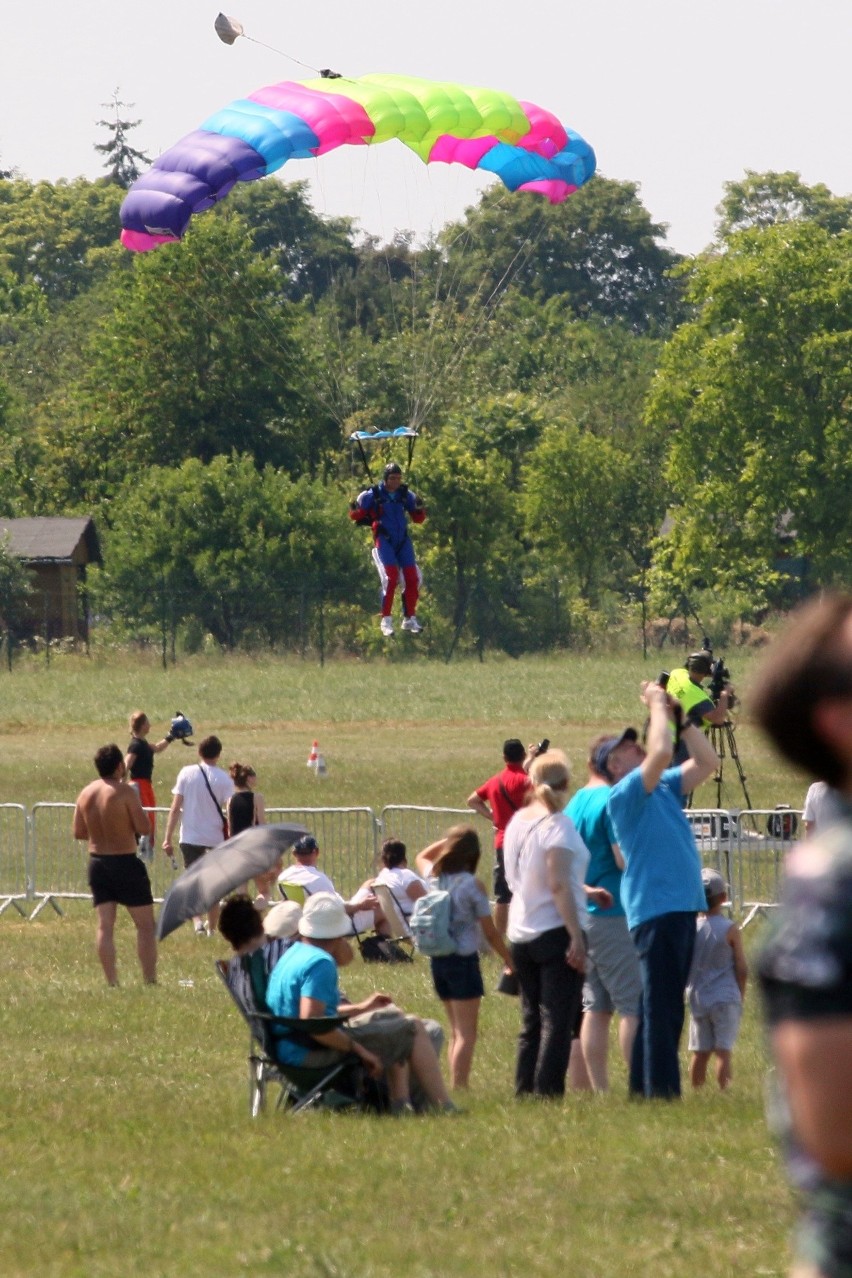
[
  {"x": 587, "y": 809},
  {"x": 303, "y": 971},
  {"x": 662, "y": 872}
]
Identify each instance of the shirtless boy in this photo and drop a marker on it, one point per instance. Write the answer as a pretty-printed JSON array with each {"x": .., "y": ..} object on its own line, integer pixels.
[{"x": 109, "y": 814}]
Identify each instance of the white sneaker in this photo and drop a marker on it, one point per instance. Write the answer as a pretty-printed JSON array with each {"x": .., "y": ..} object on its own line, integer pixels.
[
  {"x": 411, "y": 624},
  {"x": 386, "y": 627}
]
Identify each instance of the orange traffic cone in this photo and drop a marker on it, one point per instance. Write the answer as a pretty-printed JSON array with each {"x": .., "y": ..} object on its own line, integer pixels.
[{"x": 313, "y": 757}]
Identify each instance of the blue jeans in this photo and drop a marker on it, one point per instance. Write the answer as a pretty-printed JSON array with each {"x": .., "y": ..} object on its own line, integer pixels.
[
  {"x": 550, "y": 997},
  {"x": 664, "y": 946}
]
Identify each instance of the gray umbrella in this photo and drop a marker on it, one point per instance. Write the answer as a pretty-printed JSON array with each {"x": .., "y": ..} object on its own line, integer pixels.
[{"x": 221, "y": 870}]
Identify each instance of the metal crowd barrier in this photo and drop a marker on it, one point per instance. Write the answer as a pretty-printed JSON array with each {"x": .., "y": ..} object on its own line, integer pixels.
[
  {"x": 418, "y": 826},
  {"x": 14, "y": 846},
  {"x": 764, "y": 837},
  {"x": 41, "y": 862},
  {"x": 348, "y": 839},
  {"x": 57, "y": 861}
]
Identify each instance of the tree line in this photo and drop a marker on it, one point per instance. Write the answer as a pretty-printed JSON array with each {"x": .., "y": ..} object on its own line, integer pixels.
[{"x": 608, "y": 431}]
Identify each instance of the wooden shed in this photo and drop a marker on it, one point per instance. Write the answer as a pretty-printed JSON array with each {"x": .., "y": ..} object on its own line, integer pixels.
[{"x": 57, "y": 552}]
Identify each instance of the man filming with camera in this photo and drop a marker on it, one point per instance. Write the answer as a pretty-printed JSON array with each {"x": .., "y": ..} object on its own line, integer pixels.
[{"x": 702, "y": 707}]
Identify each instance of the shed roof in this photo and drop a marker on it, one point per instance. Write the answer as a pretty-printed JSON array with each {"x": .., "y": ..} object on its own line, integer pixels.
[{"x": 51, "y": 539}]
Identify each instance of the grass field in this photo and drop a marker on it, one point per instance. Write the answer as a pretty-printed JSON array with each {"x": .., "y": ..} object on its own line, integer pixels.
[
  {"x": 127, "y": 1147},
  {"x": 413, "y": 732},
  {"x": 126, "y": 1144}
]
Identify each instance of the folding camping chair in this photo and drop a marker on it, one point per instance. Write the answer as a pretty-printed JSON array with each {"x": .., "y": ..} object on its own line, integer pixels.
[
  {"x": 400, "y": 932},
  {"x": 293, "y": 892},
  {"x": 335, "y": 1086}
]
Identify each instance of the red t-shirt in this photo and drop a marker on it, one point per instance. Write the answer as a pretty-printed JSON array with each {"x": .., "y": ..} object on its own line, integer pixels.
[{"x": 515, "y": 782}]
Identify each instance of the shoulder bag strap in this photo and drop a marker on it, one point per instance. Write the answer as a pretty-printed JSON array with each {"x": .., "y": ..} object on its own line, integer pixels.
[
  {"x": 505, "y": 793},
  {"x": 222, "y": 816}
]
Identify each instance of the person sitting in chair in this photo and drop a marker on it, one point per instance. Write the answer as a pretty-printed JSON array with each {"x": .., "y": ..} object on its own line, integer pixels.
[
  {"x": 405, "y": 886},
  {"x": 259, "y": 940},
  {"x": 363, "y": 908},
  {"x": 305, "y": 985}
]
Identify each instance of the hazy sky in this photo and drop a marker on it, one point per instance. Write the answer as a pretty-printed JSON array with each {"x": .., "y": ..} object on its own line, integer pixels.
[{"x": 677, "y": 95}]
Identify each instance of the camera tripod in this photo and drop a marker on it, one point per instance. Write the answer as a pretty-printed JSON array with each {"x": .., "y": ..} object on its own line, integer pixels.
[{"x": 724, "y": 742}]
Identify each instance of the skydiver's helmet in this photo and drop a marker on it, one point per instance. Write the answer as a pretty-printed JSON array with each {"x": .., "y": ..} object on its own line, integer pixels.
[
  {"x": 181, "y": 729},
  {"x": 392, "y": 468}
]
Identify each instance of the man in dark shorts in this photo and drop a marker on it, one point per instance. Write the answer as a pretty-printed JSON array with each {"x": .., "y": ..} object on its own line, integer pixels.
[
  {"x": 109, "y": 814},
  {"x": 498, "y": 799}
]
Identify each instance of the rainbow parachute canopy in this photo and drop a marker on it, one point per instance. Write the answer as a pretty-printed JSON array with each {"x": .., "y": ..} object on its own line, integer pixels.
[{"x": 524, "y": 145}]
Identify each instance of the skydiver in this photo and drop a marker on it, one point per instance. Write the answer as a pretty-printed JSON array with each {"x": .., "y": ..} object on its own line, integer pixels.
[{"x": 387, "y": 508}]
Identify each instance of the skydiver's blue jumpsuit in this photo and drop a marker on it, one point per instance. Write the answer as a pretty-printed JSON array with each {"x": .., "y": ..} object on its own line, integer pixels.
[{"x": 388, "y": 514}]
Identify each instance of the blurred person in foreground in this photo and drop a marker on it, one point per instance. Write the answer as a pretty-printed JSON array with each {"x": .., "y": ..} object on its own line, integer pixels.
[
  {"x": 545, "y": 867},
  {"x": 661, "y": 888},
  {"x": 109, "y": 814},
  {"x": 803, "y": 700}
]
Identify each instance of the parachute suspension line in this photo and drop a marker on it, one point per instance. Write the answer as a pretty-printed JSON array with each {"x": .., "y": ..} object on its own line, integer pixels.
[
  {"x": 489, "y": 308},
  {"x": 338, "y": 403},
  {"x": 365, "y": 461}
]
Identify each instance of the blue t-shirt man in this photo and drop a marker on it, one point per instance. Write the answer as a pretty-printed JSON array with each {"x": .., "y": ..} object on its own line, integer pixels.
[
  {"x": 662, "y": 873},
  {"x": 661, "y": 888},
  {"x": 304, "y": 971}
]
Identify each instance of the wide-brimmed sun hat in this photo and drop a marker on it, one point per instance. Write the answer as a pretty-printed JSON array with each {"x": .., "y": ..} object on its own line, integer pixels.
[
  {"x": 324, "y": 918},
  {"x": 283, "y": 920}
]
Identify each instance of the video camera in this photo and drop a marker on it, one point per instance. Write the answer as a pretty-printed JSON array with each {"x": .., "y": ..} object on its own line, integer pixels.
[{"x": 720, "y": 678}]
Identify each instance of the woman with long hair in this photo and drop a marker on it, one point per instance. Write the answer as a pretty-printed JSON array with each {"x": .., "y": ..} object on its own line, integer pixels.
[
  {"x": 457, "y": 977},
  {"x": 245, "y": 809},
  {"x": 545, "y": 867}
]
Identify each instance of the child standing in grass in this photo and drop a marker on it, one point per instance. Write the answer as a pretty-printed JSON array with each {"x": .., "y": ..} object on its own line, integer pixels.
[
  {"x": 457, "y": 977},
  {"x": 716, "y": 989}
]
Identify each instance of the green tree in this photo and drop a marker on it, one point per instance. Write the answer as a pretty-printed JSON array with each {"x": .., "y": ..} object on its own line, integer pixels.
[
  {"x": 600, "y": 250},
  {"x": 755, "y": 395},
  {"x": 310, "y": 251},
  {"x": 60, "y": 236},
  {"x": 122, "y": 161},
  {"x": 198, "y": 355},
  {"x": 15, "y": 591},
  {"x": 761, "y": 200},
  {"x": 470, "y": 548},
  {"x": 248, "y": 556}
]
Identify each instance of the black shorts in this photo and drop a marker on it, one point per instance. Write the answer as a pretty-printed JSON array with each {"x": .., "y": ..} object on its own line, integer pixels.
[
  {"x": 502, "y": 894},
  {"x": 191, "y": 852},
  {"x": 457, "y": 977},
  {"x": 122, "y": 879}
]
